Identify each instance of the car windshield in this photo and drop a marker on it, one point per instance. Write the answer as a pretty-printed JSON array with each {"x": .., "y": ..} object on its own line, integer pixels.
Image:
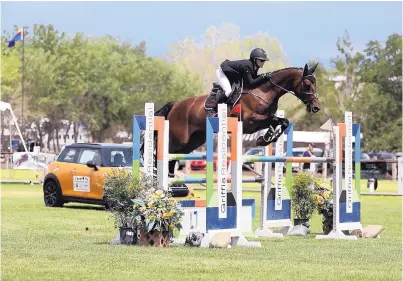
[{"x": 118, "y": 157}]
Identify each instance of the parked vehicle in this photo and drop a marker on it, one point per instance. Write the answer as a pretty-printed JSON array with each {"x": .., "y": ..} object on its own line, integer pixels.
[
  {"x": 202, "y": 164},
  {"x": 259, "y": 151},
  {"x": 198, "y": 164},
  {"x": 78, "y": 174}
]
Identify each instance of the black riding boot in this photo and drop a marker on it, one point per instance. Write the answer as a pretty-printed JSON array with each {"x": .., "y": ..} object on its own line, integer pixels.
[{"x": 212, "y": 102}]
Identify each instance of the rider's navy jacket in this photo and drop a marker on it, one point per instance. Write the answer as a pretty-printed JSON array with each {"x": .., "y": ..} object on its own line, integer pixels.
[{"x": 242, "y": 69}]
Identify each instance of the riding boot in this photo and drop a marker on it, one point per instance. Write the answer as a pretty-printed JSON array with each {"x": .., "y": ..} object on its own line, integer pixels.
[{"x": 220, "y": 98}]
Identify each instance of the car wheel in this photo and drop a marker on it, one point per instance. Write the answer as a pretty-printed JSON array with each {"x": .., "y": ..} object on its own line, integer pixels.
[{"x": 52, "y": 194}]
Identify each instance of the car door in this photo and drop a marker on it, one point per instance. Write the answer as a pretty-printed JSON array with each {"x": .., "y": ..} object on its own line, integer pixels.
[
  {"x": 87, "y": 181},
  {"x": 65, "y": 169}
]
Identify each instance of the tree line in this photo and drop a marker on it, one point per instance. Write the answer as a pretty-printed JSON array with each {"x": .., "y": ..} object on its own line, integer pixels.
[{"x": 101, "y": 82}]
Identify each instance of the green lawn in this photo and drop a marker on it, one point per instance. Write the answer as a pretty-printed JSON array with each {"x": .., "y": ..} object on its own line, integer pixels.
[
  {"x": 40, "y": 243},
  {"x": 16, "y": 174},
  {"x": 383, "y": 185}
]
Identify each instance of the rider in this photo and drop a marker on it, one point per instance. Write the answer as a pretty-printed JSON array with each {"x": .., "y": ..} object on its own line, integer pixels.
[{"x": 231, "y": 72}]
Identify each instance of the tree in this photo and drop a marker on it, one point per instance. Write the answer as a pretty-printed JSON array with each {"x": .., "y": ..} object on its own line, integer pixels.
[
  {"x": 10, "y": 72},
  {"x": 203, "y": 57},
  {"x": 218, "y": 44},
  {"x": 370, "y": 87},
  {"x": 45, "y": 76},
  {"x": 379, "y": 101}
]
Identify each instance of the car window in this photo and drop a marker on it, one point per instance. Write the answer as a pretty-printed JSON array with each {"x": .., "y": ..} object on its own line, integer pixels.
[
  {"x": 259, "y": 152},
  {"x": 118, "y": 157},
  {"x": 317, "y": 153},
  {"x": 68, "y": 155},
  {"x": 89, "y": 154},
  {"x": 385, "y": 156}
]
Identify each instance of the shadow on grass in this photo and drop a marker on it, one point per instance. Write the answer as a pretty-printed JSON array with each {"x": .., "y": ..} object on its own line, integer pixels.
[{"x": 84, "y": 207}]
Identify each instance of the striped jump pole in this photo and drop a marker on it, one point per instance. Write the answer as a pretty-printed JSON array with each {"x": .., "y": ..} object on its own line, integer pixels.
[
  {"x": 346, "y": 206},
  {"x": 279, "y": 159},
  {"x": 275, "y": 203},
  {"x": 149, "y": 123},
  {"x": 224, "y": 212},
  {"x": 217, "y": 213}
]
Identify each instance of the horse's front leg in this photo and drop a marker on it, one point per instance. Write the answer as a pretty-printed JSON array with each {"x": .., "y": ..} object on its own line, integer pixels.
[{"x": 276, "y": 127}]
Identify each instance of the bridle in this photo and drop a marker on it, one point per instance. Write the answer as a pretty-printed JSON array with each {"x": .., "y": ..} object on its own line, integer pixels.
[{"x": 310, "y": 77}]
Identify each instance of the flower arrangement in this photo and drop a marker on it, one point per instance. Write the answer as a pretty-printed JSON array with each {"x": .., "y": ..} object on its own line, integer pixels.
[
  {"x": 309, "y": 194},
  {"x": 119, "y": 189},
  {"x": 156, "y": 210},
  {"x": 324, "y": 203}
]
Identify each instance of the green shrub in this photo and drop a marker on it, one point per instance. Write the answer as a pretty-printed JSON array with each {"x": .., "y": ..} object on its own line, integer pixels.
[
  {"x": 302, "y": 196},
  {"x": 120, "y": 189}
]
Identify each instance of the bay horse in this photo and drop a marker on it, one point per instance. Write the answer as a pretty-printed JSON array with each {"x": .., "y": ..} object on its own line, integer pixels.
[{"x": 187, "y": 118}]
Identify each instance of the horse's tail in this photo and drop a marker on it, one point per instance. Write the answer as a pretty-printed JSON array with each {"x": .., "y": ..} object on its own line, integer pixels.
[{"x": 164, "y": 111}]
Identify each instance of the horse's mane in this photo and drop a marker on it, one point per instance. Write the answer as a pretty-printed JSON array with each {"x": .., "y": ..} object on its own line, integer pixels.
[
  {"x": 278, "y": 72},
  {"x": 287, "y": 68}
]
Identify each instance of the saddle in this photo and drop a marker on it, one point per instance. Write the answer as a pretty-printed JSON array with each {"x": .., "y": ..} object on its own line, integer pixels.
[{"x": 233, "y": 98}]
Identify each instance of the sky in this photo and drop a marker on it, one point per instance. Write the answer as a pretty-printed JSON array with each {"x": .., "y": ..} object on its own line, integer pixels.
[{"x": 306, "y": 30}]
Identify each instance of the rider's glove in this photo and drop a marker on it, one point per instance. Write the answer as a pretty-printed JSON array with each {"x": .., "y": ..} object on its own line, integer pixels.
[{"x": 266, "y": 75}]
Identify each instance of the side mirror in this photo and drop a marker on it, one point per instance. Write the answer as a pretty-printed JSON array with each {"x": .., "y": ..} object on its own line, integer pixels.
[{"x": 91, "y": 164}]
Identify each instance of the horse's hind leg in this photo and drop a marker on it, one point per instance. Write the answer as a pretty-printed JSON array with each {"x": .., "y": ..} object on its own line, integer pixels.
[{"x": 276, "y": 127}]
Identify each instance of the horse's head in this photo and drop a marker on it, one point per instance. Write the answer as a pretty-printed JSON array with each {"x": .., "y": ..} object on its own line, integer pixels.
[{"x": 305, "y": 89}]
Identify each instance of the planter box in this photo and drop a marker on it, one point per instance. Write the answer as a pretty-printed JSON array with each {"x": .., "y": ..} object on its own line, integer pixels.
[
  {"x": 154, "y": 239},
  {"x": 128, "y": 236}
]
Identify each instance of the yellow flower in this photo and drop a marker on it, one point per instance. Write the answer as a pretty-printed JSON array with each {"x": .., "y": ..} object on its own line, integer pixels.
[
  {"x": 171, "y": 226},
  {"x": 167, "y": 215},
  {"x": 151, "y": 217},
  {"x": 326, "y": 195}
]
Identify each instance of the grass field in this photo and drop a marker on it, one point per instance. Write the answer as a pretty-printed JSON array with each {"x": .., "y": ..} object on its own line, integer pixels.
[
  {"x": 15, "y": 174},
  {"x": 383, "y": 185},
  {"x": 40, "y": 243}
]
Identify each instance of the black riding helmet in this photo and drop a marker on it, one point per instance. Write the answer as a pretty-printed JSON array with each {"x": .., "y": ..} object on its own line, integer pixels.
[{"x": 259, "y": 54}]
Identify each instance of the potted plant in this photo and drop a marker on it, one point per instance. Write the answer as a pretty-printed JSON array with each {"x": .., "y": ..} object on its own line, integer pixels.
[
  {"x": 302, "y": 198},
  {"x": 324, "y": 204},
  {"x": 156, "y": 214},
  {"x": 120, "y": 188}
]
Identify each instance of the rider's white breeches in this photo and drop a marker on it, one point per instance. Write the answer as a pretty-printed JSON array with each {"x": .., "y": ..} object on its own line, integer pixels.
[{"x": 223, "y": 81}]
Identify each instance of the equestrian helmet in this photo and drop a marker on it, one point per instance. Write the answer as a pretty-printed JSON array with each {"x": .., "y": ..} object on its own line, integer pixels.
[{"x": 259, "y": 54}]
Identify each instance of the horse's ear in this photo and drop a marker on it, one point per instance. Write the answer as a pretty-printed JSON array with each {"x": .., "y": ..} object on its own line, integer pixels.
[
  {"x": 305, "y": 70},
  {"x": 312, "y": 69}
]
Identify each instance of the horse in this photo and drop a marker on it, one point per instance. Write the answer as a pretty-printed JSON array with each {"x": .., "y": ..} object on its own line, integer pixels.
[{"x": 187, "y": 131}]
